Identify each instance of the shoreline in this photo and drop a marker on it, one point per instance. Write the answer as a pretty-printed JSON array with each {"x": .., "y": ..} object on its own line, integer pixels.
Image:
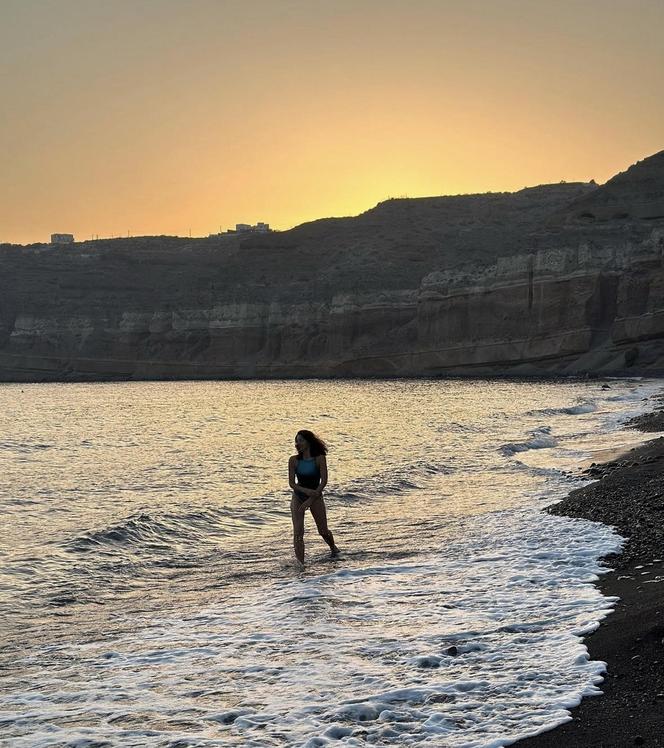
[
  {"x": 628, "y": 495},
  {"x": 479, "y": 371}
]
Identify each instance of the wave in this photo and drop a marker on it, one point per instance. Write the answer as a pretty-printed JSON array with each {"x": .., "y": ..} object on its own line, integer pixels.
[
  {"x": 23, "y": 447},
  {"x": 163, "y": 529},
  {"x": 585, "y": 406},
  {"x": 397, "y": 480},
  {"x": 539, "y": 439}
]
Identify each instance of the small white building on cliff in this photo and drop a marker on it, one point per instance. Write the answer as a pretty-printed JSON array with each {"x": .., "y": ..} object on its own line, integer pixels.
[
  {"x": 62, "y": 238},
  {"x": 246, "y": 228}
]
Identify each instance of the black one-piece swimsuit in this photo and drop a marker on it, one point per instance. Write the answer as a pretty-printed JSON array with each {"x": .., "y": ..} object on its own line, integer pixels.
[{"x": 308, "y": 475}]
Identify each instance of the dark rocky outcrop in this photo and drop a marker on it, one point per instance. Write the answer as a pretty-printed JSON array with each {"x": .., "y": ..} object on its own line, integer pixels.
[{"x": 509, "y": 283}]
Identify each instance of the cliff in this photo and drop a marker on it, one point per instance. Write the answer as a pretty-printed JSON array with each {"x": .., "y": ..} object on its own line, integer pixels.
[{"x": 556, "y": 279}]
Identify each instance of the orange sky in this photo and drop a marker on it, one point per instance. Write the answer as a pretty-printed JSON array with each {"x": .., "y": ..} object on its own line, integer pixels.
[{"x": 165, "y": 116}]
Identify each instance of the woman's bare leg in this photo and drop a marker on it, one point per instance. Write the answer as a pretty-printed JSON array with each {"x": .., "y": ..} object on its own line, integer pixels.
[
  {"x": 319, "y": 514},
  {"x": 297, "y": 515}
]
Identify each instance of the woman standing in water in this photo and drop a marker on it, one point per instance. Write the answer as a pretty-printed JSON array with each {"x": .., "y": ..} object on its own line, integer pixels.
[{"x": 307, "y": 476}]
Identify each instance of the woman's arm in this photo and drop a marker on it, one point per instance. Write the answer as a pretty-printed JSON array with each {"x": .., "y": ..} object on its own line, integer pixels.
[
  {"x": 322, "y": 466},
  {"x": 291, "y": 472}
]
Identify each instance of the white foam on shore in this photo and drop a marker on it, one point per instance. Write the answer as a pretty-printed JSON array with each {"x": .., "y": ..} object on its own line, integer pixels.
[
  {"x": 475, "y": 645},
  {"x": 441, "y": 626}
]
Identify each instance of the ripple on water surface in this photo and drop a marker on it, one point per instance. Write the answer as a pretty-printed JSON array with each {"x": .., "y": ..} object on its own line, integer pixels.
[
  {"x": 474, "y": 644},
  {"x": 153, "y": 604}
]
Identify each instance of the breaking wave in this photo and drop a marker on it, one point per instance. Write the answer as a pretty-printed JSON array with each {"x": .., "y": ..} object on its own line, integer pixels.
[
  {"x": 165, "y": 529},
  {"x": 539, "y": 439},
  {"x": 586, "y": 406}
]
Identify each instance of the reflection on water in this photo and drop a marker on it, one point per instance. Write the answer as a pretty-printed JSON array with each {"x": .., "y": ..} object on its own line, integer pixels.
[{"x": 149, "y": 598}]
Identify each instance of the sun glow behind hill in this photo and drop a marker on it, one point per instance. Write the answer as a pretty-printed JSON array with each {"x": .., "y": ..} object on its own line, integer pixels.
[{"x": 164, "y": 117}]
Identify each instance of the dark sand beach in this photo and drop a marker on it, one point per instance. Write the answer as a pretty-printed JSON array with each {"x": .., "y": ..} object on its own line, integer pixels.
[{"x": 629, "y": 495}]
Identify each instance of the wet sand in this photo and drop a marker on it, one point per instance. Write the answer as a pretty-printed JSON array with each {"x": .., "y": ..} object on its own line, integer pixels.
[{"x": 629, "y": 495}]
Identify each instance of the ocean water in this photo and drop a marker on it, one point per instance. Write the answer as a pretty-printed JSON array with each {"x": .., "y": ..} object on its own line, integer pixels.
[{"x": 148, "y": 595}]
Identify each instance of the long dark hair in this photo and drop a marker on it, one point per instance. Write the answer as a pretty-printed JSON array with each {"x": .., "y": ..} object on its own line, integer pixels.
[{"x": 316, "y": 446}]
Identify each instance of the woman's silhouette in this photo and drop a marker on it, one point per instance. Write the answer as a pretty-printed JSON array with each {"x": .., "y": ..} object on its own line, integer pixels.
[{"x": 307, "y": 476}]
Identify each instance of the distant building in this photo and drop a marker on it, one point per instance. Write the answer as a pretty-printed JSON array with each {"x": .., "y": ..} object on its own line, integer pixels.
[
  {"x": 62, "y": 238},
  {"x": 246, "y": 228}
]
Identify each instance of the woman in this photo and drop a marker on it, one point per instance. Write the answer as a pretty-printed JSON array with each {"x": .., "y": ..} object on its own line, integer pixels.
[{"x": 307, "y": 476}]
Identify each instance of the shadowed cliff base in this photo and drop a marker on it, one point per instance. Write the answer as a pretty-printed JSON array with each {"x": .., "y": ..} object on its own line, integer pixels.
[{"x": 563, "y": 279}]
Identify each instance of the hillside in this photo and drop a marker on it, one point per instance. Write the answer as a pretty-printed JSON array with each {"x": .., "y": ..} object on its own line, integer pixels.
[{"x": 564, "y": 278}]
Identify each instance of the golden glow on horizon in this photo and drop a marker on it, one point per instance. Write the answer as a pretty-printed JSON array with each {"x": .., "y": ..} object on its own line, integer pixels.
[{"x": 164, "y": 116}]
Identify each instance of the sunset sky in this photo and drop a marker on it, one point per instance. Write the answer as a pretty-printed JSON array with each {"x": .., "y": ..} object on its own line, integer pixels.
[{"x": 170, "y": 116}]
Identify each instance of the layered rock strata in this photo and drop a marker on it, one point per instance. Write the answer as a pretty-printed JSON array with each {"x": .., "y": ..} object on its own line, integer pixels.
[{"x": 515, "y": 284}]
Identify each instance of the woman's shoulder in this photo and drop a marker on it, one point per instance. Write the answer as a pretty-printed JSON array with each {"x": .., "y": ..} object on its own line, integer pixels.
[{"x": 293, "y": 458}]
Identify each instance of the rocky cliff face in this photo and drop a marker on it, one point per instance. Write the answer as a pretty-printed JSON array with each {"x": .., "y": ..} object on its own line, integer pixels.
[{"x": 562, "y": 278}]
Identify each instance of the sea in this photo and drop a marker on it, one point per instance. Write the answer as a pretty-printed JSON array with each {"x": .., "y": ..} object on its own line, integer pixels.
[{"x": 149, "y": 595}]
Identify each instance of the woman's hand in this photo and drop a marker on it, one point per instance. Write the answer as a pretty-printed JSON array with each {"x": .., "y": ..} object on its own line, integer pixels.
[{"x": 313, "y": 495}]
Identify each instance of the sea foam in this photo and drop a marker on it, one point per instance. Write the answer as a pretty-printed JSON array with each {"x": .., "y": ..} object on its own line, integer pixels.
[{"x": 150, "y": 598}]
